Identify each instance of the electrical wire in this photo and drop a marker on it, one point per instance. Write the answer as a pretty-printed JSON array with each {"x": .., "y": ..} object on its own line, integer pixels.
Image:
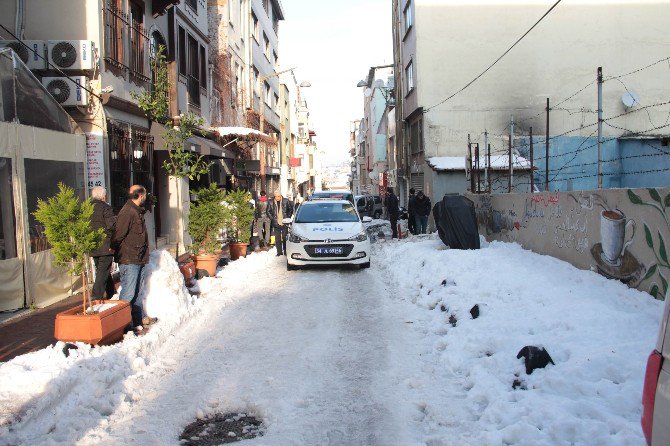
[{"x": 497, "y": 60}]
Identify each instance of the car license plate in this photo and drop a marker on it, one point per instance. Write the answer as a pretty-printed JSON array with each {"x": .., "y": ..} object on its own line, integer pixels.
[{"x": 332, "y": 250}]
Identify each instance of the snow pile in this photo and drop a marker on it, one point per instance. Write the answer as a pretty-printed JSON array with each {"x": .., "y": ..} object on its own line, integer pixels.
[
  {"x": 597, "y": 331},
  {"x": 163, "y": 292}
]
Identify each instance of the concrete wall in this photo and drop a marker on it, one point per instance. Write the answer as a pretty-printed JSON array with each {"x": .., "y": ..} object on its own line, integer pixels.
[
  {"x": 574, "y": 226},
  {"x": 457, "y": 39}
]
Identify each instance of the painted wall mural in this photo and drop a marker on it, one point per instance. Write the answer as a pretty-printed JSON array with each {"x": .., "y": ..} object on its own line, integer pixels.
[{"x": 619, "y": 233}]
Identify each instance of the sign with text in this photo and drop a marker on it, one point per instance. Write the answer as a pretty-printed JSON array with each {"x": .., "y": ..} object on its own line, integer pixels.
[
  {"x": 95, "y": 157},
  {"x": 248, "y": 165},
  {"x": 295, "y": 162}
]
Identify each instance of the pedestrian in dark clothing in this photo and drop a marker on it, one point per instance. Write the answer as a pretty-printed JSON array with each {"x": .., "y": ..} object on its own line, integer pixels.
[
  {"x": 279, "y": 209},
  {"x": 393, "y": 209},
  {"x": 411, "y": 214},
  {"x": 131, "y": 244},
  {"x": 103, "y": 218},
  {"x": 422, "y": 210},
  {"x": 263, "y": 220}
]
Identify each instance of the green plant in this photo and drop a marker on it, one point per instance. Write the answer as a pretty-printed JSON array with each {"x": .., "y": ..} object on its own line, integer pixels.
[
  {"x": 67, "y": 224},
  {"x": 180, "y": 163},
  {"x": 661, "y": 205},
  {"x": 206, "y": 218},
  {"x": 240, "y": 216}
]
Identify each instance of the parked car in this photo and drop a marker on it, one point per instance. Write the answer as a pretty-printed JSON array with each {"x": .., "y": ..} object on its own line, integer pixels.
[
  {"x": 327, "y": 232},
  {"x": 365, "y": 205},
  {"x": 333, "y": 195},
  {"x": 656, "y": 390},
  {"x": 378, "y": 207}
]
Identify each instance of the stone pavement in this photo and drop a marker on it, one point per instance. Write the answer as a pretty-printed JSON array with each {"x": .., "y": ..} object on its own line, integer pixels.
[{"x": 32, "y": 330}]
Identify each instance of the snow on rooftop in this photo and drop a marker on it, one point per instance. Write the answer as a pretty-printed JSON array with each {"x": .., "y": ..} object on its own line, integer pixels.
[
  {"x": 498, "y": 162},
  {"x": 240, "y": 131}
]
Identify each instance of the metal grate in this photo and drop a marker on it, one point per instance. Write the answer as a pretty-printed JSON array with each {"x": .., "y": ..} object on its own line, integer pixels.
[{"x": 138, "y": 56}]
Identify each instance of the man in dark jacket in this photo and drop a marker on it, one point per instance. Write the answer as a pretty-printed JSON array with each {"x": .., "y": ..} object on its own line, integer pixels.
[
  {"x": 263, "y": 220},
  {"x": 131, "y": 244},
  {"x": 103, "y": 218},
  {"x": 279, "y": 209},
  {"x": 393, "y": 209},
  {"x": 422, "y": 210},
  {"x": 411, "y": 205}
]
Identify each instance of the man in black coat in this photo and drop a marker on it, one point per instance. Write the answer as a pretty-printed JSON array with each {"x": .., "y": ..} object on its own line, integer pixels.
[
  {"x": 102, "y": 218},
  {"x": 411, "y": 213},
  {"x": 279, "y": 209},
  {"x": 422, "y": 211},
  {"x": 393, "y": 209}
]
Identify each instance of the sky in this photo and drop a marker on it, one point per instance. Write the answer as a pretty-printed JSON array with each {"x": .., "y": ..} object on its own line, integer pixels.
[{"x": 333, "y": 45}]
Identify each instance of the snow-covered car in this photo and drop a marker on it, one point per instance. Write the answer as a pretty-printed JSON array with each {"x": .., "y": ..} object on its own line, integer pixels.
[
  {"x": 327, "y": 232},
  {"x": 656, "y": 390}
]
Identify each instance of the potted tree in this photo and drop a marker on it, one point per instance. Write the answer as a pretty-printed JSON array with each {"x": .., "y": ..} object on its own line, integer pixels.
[
  {"x": 66, "y": 220},
  {"x": 238, "y": 222},
  {"x": 206, "y": 219}
]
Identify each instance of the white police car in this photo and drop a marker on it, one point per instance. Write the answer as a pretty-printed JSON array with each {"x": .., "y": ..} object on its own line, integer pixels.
[{"x": 327, "y": 232}]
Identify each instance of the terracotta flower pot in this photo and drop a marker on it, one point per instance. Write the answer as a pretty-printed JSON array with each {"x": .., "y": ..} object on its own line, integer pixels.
[
  {"x": 238, "y": 250},
  {"x": 103, "y": 328},
  {"x": 207, "y": 262}
]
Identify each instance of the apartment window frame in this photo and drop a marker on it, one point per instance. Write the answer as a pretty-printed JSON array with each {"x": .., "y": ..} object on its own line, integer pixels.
[
  {"x": 267, "y": 47},
  {"x": 408, "y": 17},
  {"x": 182, "y": 51},
  {"x": 266, "y": 6},
  {"x": 275, "y": 59},
  {"x": 268, "y": 93},
  {"x": 409, "y": 78},
  {"x": 203, "y": 67},
  {"x": 256, "y": 27},
  {"x": 192, "y": 4}
]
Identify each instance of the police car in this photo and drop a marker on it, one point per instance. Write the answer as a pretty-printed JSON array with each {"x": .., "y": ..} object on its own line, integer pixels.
[{"x": 327, "y": 232}]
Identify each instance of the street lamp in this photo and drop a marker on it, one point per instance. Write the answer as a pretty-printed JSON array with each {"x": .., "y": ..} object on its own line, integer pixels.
[{"x": 262, "y": 80}]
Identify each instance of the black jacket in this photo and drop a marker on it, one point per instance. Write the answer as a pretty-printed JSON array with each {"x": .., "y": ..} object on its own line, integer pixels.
[
  {"x": 103, "y": 217},
  {"x": 392, "y": 204},
  {"x": 422, "y": 206},
  {"x": 286, "y": 206},
  {"x": 130, "y": 240},
  {"x": 411, "y": 205}
]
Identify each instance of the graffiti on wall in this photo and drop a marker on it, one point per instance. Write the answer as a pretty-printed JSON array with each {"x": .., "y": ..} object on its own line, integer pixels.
[
  {"x": 656, "y": 274},
  {"x": 619, "y": 233}
]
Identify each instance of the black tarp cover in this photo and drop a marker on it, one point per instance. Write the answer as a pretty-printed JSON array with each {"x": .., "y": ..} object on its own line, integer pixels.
[{"x": 456, "y": 222}]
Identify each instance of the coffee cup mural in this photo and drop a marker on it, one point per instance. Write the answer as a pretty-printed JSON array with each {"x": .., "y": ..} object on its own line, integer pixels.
[{"x": 613, "y": 229}]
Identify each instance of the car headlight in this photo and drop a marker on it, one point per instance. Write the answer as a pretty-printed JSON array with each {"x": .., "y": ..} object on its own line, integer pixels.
[
  {"x": 294, "y": 238},
  {"x": 360, "y": 237}
]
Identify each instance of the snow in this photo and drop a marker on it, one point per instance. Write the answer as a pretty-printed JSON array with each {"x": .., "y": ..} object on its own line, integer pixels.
[
  {"x": 240, "y": 131},
  {"x": 498, "y": 161},
  {"x": 356, "y": 357}
]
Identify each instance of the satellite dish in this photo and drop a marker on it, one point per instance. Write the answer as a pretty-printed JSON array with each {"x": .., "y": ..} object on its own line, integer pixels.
[
  {"x": 367, "y": 92},
  {"x": 630, "y": 99}
]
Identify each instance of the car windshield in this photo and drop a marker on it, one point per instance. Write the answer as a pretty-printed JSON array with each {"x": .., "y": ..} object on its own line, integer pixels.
[{"x": 326, "y": 212}]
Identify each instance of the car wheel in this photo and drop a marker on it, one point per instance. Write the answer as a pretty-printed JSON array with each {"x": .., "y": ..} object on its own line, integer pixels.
[
  {"x": 290, "y": 267},
  {"x": 377, "y": 215},
  {"x": 365, "y": 265}
]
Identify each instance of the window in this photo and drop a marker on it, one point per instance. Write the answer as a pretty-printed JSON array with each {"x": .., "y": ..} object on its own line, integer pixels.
[
  {"x": 408, "y": 16},
  {"x": 275, "y": 59},
  {"x": 7, "y": 221},
  {"x": 193, "y": 81},
  {"x": 268, "y": 94},
  {"x": 193, "y": 4},
  {"x": 276, "y": 102},
  {"x": 266, "y": 47},
  {"x": 416, "y": 136},
  {"x": 203, "y": 68},
  {"x": 254, "y": 24},
  {"x": 235, "y": 86},
  {"x": 275, "y": 24},
  {"x": 256, "y": 82},
  {"x": 115, "y": 33},
  {"x": 409, "y": 77},
  {"x": 182, "y": 51},
  {"x": 266, "y": 6},
  {"x": 137, "y": 63}
]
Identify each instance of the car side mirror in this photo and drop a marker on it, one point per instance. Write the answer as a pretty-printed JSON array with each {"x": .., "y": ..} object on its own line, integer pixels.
[{"x": 367, "y": 219}]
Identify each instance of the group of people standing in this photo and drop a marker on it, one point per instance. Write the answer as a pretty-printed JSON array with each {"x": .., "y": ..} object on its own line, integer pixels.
[
  {"x": 418, "y": 211},
  {"x": 269, "y": 220},
  {"x": 126, "y": 242}
]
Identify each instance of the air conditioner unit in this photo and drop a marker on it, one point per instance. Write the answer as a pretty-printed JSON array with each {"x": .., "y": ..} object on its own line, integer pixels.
[
  {"x": 34, "y": 57},
  {"x": 67, "y": 92},
  {"x": 72, "y": 54}
]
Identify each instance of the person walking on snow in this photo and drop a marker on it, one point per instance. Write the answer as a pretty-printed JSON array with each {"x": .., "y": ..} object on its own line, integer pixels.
[
  {"x": 279, "y": 209},
  {"x": 103, "y": 218},
  {"x": 422, "y": 210},
  {"x": 131, "y": 244},
  {"x": 411, "y": 214},
  {"x": 393, "y": 209},
  {"x": 263, "y": 220}
]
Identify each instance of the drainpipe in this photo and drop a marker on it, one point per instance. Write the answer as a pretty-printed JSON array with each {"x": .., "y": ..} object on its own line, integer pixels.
[{"x": 20, "y": 19}]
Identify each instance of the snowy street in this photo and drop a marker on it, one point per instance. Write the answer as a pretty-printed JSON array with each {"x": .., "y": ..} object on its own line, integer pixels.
[{"x": 385, "y": 356}]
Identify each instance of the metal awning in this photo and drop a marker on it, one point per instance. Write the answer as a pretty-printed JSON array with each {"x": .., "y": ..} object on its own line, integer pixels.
[
  {"x": 238, "y": 131},
  {"x": 205, "y": 146}
]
